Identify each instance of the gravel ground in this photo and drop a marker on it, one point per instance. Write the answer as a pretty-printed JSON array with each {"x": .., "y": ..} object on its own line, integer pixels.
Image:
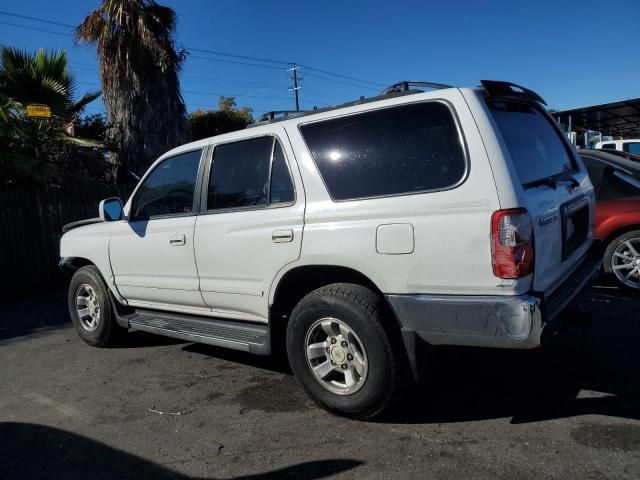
[{"x": 67, "y": 410}]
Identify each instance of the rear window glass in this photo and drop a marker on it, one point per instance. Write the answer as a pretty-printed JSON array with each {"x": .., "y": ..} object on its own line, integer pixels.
[
  {"x": 391, "y": 151},
  {"x": 536, "y": 148}
]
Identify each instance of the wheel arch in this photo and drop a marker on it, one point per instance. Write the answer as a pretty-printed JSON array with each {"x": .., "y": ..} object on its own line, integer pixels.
[
  {"x": 70, "y": 265},
  {"x": 295, "y": 283},
  {"x": 620, "y": 231}
]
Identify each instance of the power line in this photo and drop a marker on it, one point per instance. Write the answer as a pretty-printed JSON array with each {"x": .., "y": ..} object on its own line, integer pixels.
[
  {"x": 233, "y": 55},
  {"x": 212, "y": 52},
  {"x": 341, "y": 82},
  {"x": 342, "y": 76},
  {"x": 36, "y": 19},
  {"x": 36, "y": 28},
  {"x": 233, "y": 61}
]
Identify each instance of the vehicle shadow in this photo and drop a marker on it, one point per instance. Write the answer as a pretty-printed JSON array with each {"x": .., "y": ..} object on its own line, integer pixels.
[
  {"x": 276, "y": 363},
  {"x": 66, "y": 455},
  {"x": 591, "y": 366},
  {"x": 138, "y": 339}
]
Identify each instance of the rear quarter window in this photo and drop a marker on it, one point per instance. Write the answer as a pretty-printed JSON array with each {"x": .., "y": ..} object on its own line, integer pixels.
[{"x": 392, "y": 151}]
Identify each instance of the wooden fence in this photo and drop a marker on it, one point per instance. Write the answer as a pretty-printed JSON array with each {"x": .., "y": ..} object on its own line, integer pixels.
[{"x": 30, "y": 230}]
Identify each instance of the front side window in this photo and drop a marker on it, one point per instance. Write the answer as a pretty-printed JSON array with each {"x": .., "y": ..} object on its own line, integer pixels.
[
  {"x": 392, "y": 151},
  {"x": 249, "y": 173},
  {"x": 169, "y": 189}
]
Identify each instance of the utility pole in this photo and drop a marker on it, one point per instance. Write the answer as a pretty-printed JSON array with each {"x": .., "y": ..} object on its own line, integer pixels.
[{"x": 295, "y": 88}]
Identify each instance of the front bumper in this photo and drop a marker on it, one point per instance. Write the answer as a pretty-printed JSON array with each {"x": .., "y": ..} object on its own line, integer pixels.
[{"x": 491, "y": 321}]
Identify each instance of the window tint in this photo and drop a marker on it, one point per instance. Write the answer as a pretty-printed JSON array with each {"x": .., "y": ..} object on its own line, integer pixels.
[
  {"x": 615, "y": 185},
  {"x": 595, "y": 169},
  {"x": 633, "y": 148},
  {"x": 536, "y": 147},
  {"x": 281, "y": 183},
  {"x": 392, "y": 151},
  {"x": 169, "y": 188},
  {"x": 609, "y": 146},
  {"x": 240, "y": 174}
]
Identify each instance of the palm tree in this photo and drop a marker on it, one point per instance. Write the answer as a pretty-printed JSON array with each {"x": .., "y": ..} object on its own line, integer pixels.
[
  {"x": 36, "y": 148},
  {"x": 41, "y": 77},
  {"x": 139, "y": 68}
]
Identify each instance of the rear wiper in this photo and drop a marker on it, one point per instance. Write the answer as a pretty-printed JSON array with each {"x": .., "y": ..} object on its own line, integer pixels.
[{"x": 553, "y": 182}]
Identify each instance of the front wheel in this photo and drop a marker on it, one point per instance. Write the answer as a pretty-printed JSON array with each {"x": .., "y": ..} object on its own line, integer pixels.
[
  {"x": 622, "y": 260},
  {"x": 340, "y": 351},
  {"x": 90, "y": 308}
]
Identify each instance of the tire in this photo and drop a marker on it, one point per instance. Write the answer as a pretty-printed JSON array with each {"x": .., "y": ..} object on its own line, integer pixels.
[
  {"x": 620, "y": 246},
  {"x": 374, "y": 377},
  {"x": 98, "y": 326}
]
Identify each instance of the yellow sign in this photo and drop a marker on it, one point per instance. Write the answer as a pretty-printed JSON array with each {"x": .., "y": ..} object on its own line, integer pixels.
[{"x": 42, "y": 111}]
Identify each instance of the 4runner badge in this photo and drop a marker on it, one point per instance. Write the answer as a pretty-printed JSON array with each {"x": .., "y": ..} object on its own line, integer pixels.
[{"x": 548, "y": 218}]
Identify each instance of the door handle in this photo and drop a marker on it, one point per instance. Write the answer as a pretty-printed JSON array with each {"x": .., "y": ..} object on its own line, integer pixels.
[
  {"x": 282, "y": 236},
  {"x": 177, "y": 240}
]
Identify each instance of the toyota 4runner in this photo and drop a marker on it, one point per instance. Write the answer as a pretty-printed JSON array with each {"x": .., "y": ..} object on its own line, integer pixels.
[{"x": 348, "y": 236}]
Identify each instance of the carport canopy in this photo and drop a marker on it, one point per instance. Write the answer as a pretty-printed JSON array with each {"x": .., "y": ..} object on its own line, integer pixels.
[{"x": 618, "y": 119}]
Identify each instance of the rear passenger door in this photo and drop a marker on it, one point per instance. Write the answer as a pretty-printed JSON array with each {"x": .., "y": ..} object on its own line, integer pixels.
[{"x": 251, "y": 226}]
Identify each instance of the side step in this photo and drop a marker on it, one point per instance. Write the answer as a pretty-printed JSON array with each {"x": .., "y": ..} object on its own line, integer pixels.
[{"x": 221, "y": 333}]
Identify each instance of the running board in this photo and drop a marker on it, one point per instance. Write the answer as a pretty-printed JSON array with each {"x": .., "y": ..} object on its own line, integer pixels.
[{"x": 221, "y": 333}]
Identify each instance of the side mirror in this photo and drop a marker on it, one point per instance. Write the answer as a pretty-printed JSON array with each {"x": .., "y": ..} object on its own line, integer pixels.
[{"x": 110, "y": 210}]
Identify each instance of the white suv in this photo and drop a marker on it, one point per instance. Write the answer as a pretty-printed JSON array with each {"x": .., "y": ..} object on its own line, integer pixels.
[{"x": 459, "y": 216}]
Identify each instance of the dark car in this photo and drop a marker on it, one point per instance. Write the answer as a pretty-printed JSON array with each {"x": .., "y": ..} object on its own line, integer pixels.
[{"x": 617, "y": 185}]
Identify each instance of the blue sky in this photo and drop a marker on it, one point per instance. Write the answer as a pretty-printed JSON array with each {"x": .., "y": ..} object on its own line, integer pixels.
[{"x": 572, "y": 53}]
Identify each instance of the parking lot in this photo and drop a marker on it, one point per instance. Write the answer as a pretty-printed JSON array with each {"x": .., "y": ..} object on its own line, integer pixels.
[{"x": 159, "y": 408}]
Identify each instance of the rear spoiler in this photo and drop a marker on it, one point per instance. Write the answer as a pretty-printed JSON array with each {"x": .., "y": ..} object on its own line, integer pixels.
[{"x": 497, "y": 90}]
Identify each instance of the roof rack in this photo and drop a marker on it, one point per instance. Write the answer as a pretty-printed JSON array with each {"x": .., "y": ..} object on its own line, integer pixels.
[
  {"x": 510, "y": 91},
  {"x": 404, "y": 86},
  {"x": 277, "y": 115}
]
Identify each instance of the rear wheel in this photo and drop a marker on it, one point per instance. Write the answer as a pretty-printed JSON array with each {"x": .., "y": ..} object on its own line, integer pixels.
[
  {"x": 340, "y": 351},
  {"x": 90, "y": 308},
  {"x": 622, "y": 260}
]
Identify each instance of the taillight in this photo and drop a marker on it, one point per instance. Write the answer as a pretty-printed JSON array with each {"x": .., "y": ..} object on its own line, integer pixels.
[{"x": 512, "y": 243}]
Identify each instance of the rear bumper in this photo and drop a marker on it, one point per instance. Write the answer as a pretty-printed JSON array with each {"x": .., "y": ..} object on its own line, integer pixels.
[{"x": 491, "y": 321}]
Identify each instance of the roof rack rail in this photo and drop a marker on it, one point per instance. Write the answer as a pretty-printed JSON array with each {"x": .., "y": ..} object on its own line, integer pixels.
[
  {"x": 277, "y": 115},
  {"x": 507, "y": 90},
  {"x": 404, "y": 86}
]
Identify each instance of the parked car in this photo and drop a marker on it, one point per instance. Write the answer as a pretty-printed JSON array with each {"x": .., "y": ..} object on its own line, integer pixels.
[
  {"x": 620, "y": 153},
  {"x": 631, "y": 145},
  {"x": 349, "y": 236},
  {"x": 617, "y": 215}
]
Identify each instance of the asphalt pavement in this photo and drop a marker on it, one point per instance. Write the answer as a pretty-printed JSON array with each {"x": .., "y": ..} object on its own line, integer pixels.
[{"x": 156, "y": 408}]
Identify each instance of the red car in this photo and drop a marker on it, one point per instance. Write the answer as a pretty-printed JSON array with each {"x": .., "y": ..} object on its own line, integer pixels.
[{"x": 617, "y": 217}]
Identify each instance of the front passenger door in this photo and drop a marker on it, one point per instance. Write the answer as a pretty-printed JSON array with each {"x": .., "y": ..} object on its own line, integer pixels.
[{"x": 152, "y": 253}]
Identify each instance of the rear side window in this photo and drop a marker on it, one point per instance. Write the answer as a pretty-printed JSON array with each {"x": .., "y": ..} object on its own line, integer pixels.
[
  {"x": 632, "y": 147},
  {"x": 392, "y": 151},
  {"x": 281, "y": 190},
  {"x": 609, "y": 146},
  {"x": 249, "y": 173},
  {"x": 168, "y": 190},
  {"x": 536, "y": 147}
]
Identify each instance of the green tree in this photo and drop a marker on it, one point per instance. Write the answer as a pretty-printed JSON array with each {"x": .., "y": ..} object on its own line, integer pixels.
[
  {"x": 41, "y": 77},
  {"x": 139, "y": 67},
  {"x": 228, "y": 118},
  {"x": 33, "y": 149}
]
